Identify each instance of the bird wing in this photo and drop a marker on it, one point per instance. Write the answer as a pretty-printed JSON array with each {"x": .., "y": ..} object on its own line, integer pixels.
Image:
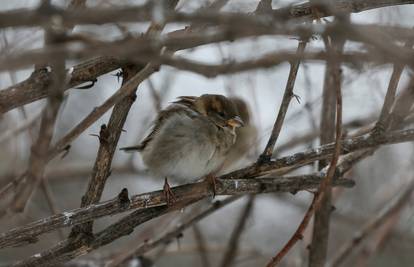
[
  {"x": 178, "y": 106},
  {"x": 188, "y": 101}
]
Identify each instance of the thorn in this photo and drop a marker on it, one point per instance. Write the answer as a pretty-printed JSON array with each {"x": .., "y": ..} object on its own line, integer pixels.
[
  {"x": 118, "y": 75},
  {"x": 103, "y": 134},
  {"x": 213, "y": 183},
  {"x": 65, "y": 151},
  {"x": 87, "y": 86},
  {"x": 297, "y": 97}
]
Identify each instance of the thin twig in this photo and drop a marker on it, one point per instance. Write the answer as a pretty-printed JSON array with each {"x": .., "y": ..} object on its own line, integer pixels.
[
  {"x": 287, "y": 97},
  {"x": 298, "y": 235},
  {"x": 390, "y": 95}
]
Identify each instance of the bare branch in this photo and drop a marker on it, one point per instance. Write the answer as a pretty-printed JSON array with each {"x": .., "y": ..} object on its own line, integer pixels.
[
  {"x": 27, "y": 234},
  {"x": 287, "y": 97},
  {"x": 36, "y": 86}
]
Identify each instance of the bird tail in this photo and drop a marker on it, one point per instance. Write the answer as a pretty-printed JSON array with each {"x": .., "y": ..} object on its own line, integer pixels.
[{"x": 132, "y": 148}]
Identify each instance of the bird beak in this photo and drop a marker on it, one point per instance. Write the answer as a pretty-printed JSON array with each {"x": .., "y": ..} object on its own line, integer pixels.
[{"x": 235, "y": 122}]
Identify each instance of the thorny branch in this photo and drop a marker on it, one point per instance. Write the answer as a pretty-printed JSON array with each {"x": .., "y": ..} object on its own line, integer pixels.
[{"x": 27, "y": 234}]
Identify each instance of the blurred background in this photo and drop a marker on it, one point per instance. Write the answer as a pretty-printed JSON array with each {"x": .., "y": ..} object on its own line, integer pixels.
[{"x": 273, "y": 217}]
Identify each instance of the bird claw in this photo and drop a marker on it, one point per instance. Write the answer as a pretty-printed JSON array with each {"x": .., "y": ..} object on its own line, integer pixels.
[
  {"x": 168, "y": 193},
  {"x": 213, "y": 183}
]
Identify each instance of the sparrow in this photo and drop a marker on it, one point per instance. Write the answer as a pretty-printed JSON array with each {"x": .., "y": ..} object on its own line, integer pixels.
[
  {"x": 246, "y": 136},
  {"x": 190, "y": 139}
]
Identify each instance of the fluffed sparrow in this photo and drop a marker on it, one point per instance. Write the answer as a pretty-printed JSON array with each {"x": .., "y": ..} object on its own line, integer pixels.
[{"x": 190, "y": 139}]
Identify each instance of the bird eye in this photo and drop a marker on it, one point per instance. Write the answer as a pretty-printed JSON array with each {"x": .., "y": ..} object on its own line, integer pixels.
[{"x": 221, "y": 114}]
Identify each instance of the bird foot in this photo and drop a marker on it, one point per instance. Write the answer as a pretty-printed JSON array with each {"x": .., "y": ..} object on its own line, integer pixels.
[
  {"x": 212, "y": 180},
  {"x": 168, "y": 193}
]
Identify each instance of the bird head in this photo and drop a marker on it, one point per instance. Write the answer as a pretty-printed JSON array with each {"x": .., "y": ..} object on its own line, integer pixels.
[{"x": 220, "y": 110}]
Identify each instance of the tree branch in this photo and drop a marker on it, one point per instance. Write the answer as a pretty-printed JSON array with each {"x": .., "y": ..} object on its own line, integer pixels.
[
  {"x": 27, "y": 234},
  {"x": 287, "y": 97}
]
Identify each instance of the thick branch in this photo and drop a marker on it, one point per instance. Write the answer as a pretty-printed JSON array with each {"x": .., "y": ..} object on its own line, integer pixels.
[
  {"x": 36, "y": 86},
  {"x": 27, "y": 234},
  {"x": 323, "y": 152},
  {"x": 108, "y": 139},
  {"x": 273, "y": 59}
]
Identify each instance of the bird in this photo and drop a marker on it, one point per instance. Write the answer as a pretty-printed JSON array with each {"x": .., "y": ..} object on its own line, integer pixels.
[{"x": 190, "y": 139}]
